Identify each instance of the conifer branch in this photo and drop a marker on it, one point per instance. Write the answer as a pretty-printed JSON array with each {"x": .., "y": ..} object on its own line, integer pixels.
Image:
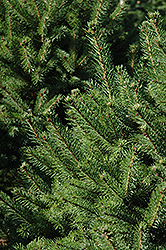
[
  {"x": 102, "y": 32},
  {"x": 58, "y": 10},
  {"x": 160, "y": 46},
  {"x": 28, "y": 20},
  {"x": 9, "y": 94},
  {"x": 151, "y": 126},
  {"x": 47, "y": 149},
  {"x": 90, "y": 139},
  {"x": 43, "y": 193},
  {"x": 5, "y": 235},
  {"x": 57, "y": 221},
  {"x": 133, "y": 59},
  {"x": 49, "y": 65},
  {"x": 148, "y": 123},
  {"x": 52, "y": 104},
  {"x": 64, "y": 246},
  {"x": 44, "y": 22},
  {"x": 111, "y": 243},
  {"x": 102, "y": 65},
  {"x": 113, "y": 126},
  {"x": 44, "y": 51},
  {"x": 51, "y": 151},
  {"x": 16, "y": 78},
  {"x": 83, "y": 188},
  {"x": 108, "y": 117},
  {"x": 37, "y": 136},
  {"x": 30, "y": 177},
  {"x": 74, "y": 49},
  {"x": 10, "y": 26},
  {"x": 140, "y": 238},
  {"x": 63, "y": 140},
  {"x": 42, "y": 145},
  {"x": 154, "y": 146},
  {"x": 129, "y": 172},
  {"x": 83, "y": 234},
  {"x": 110, "y": 187},
  {"x": 137, "y": 240},
  {"x": 83, "y": 169},
  {"x": 4, "y": 44},
  {"x": 56, "y": 157},
  {"x": 156, "y": 211},
  {"x": 37, "y": 9},
  {"x": 77, "y": 205},
  {"x": 87, "y": 175},
  {"x": 98, "y": 11},
  {"x": 14, "y": 210},
  {"x": 67, "y": 62},
  {"x": 89, "y": 123},
  {"x": 40, "y": 102},
  {"x": 49, "y": 9},
  {"x": 116, "y": 217},
  {"x": 150, "y": 51},
  {"x": 27, "y": 60},
  {"x": 117, "y": 14},
  {"x": 72, "y": 8},
  {"x": 82, "y": 60},
  {"x": 32, "y": 201}
]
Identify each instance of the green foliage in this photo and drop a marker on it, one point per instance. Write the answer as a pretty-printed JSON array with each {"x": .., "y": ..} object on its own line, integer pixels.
[
  {"x": 97, "y": 182},
  {"x": 43, "y": 48}
]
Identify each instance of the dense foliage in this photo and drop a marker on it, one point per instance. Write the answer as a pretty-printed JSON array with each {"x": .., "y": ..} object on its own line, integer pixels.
[{"x": 87, "y": 131}]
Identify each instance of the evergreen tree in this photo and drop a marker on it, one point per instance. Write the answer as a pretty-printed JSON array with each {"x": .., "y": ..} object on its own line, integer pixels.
[
  {"x": 43, "y": 46},
  {"x": 98, "y": 182}
]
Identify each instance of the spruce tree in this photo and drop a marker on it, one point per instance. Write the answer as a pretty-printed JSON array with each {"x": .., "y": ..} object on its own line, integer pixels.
[
  {"x": 43, "y": 46},
  {"x": 99, "y": 181}
]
